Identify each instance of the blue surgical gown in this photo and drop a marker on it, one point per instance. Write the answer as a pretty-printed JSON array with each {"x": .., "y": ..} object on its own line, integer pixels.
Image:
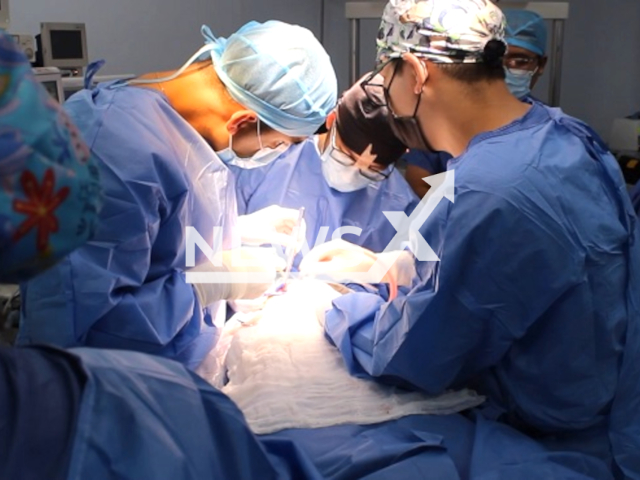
[
  {"x": 126, "y": 288},
  {"x": 433, "y": 162},
  {"x": 104, "y": 414},
  {"x": 436, "y": 162},
  {"x": 110, "y": 414},
  {"x": 39, "y": 404},
  {"x": 535, "y": 299},
  {"x": 635, "y": 197},
  {"x": 295, "y": 180},
  {"x": 443, "y": 447}
]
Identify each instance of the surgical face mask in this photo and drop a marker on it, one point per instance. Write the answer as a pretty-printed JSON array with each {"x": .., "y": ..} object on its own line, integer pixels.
[
  {"x": 406, "y": 129},
  {"x": 341, "y": 171},
  {"x": 519, "y": 81},
  {"x": 262, "y": 157},
  {"x": 340, "y": 177}
]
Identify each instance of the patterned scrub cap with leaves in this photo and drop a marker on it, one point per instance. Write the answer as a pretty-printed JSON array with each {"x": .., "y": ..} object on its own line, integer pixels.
[{"x": 443, "y": 31}]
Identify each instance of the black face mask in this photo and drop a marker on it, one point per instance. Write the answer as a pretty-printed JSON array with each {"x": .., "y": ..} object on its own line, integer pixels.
[{"x": 406, "y": 129}]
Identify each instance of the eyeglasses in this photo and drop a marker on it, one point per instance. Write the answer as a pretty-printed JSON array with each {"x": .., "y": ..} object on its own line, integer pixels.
[
  {"x": 347, "y": 160},
  {"x": 522, "y": 62},
  {"x": 376, "y": 92},
  {"x": 405, "y": 128}
]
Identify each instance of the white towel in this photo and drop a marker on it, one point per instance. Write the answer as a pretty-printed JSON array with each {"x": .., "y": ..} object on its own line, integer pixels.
[{"x": 282, "y": 372}]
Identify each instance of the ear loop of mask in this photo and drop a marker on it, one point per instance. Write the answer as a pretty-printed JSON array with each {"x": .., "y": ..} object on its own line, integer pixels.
[
  {"x": 259, "y": 137},
  {"x": 143, "y": 81},
  {"x": 213, "y": 45},
  {"x": 387, "y": 90},
  {"x": 411, "y": 129}
]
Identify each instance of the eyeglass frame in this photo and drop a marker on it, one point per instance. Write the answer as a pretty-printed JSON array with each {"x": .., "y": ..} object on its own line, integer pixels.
[
  {"x": 533, "y": 62},
  {"x": 367, "y": 82},
  {"x": 341, "y": 157},
  {"x": 385, "y": 89}
]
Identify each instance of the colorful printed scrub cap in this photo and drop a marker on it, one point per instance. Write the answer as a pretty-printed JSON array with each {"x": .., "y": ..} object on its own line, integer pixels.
[
  {"x": 49, "y": 182},
  {"x": 443, "y": 31}
]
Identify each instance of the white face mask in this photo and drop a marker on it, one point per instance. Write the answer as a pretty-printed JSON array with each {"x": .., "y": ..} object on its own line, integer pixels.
[
  {"x": 342, "y": 177},
  {"x": 262, "y": 157}
]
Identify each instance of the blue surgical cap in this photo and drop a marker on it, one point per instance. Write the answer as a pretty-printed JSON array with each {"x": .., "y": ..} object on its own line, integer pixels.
[
  {"x": 280, "y": 71},
  {"x": 527, "y": 30}
]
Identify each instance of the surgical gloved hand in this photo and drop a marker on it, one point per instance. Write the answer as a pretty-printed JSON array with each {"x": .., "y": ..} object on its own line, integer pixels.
[
  {"x": 339, "y": 259},
  {"x": 273, "y": 225},
  {"x": 253, "y": 272}
]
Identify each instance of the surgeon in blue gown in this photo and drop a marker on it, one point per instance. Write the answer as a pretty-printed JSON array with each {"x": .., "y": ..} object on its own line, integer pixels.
[
  {"x": 344, "y": 178},
  {"x": 163, "y": 143},
  {"x": 534, "y": 299},
  {"x": 85, "y": 413},
  {"x": 524, "y": 62}
]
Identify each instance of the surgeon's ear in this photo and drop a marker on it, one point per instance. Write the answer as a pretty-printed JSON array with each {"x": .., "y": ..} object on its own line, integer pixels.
[
  {"x": 240, "y": 120},
  {"x": 418, "y": 71},
  {"x": 331, "y": 118}
]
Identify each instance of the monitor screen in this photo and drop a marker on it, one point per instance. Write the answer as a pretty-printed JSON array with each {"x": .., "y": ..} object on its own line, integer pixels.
[
  {"x": 66, "y": 44},
  {"x": 52, "y": 87}
]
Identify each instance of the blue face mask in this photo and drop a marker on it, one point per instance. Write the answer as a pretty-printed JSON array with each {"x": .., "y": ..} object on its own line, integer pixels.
[{"x": 519, "y": 81}]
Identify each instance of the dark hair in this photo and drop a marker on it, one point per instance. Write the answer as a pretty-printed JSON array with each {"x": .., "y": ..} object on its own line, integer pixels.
[
  {"x": 361, "y": 121},
  {"x": 489, "y": 69}
]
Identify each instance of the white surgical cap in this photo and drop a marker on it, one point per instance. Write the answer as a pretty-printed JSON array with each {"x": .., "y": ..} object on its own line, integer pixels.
[{"x": 278, "y": 70}]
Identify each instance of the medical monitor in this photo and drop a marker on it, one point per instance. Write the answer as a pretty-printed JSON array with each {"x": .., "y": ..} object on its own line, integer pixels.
[
  {"x": 63, "y": 45},
  {"x": 51, "y": 79}
]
